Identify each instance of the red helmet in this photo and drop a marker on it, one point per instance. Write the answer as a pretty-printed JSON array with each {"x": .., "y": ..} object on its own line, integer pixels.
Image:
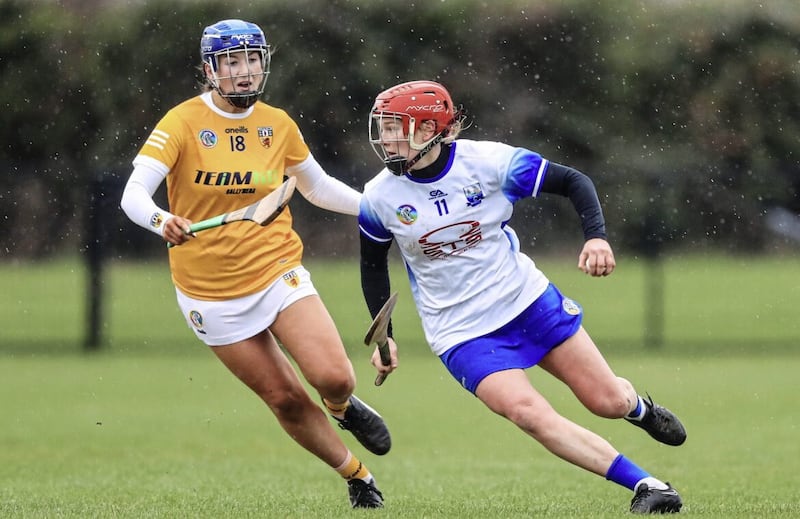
[
  {"x": 412, "y": 103},
  {"x": 420, "y": 100}
]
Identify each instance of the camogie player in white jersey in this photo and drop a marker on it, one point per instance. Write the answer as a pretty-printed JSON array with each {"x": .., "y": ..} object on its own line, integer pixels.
[{"x": 487, "y": 311}]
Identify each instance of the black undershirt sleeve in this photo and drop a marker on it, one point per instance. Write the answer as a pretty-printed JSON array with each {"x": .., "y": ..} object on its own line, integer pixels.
[
  {"x": 375, "y": 275},
  {"x": 571, "y": 183}
]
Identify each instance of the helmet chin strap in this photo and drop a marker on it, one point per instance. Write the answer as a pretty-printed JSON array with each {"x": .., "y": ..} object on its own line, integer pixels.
[
  {"x": 240, "y": 101},
  {"x": 397, "y": 165},
  {"x": 245, "y": 101},
  {"x": 401, "y": 165}
]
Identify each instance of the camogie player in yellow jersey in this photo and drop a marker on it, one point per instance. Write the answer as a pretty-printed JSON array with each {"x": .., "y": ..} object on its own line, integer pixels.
[{"x": 242, "y": 287}]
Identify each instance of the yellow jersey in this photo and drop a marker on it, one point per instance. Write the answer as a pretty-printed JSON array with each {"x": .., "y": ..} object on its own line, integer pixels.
[{"x": 217, "y": 164}]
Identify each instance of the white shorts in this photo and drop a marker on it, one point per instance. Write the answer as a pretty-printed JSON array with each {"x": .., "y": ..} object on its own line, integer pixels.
[{"x": 217, "y": 323}]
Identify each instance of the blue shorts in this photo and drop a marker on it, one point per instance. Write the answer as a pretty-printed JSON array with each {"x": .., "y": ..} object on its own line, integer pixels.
[{"x": 520, "y": 344}]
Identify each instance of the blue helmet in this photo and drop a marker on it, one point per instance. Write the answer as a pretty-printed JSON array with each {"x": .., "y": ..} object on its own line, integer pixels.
[{"x": 228, "y": 36}]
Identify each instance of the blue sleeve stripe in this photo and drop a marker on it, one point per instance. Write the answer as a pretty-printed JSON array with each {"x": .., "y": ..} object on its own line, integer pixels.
[
  {"x": 524, "y": 176},
  {"x": 539, "y": 177}
]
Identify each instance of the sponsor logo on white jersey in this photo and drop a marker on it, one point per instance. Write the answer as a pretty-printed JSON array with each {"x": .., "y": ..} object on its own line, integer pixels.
[{"x": 451, "y": 240}]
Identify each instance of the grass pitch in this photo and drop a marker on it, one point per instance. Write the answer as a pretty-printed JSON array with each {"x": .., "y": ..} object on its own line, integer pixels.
[
  {"x": 154, "y": 426},
  {"x": 118, "y": 436}
]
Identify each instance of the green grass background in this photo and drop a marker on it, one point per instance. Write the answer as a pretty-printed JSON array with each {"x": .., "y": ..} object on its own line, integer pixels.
[{"x": 153, "y": 426}]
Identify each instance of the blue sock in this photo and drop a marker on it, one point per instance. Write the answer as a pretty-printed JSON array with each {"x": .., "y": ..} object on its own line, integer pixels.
[{"x": 624, "y": 472}]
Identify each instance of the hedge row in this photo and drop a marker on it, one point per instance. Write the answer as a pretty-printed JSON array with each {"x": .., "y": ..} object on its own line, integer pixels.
[{"x": 687, "y": 117}]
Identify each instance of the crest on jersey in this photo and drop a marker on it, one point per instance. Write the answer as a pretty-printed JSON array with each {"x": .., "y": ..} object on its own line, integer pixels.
[
  {"x": 474, "y": 194},
  {"x": 156, "y": 219},
  {"x": 207, "y": 138},
  {"x": 265, "y": 136},
  {"x": 291, "y": 279},
  {"x": 407, "y": 214},
  {"x": 570, "y": 306},
  {"x": 196, "y": 319}
]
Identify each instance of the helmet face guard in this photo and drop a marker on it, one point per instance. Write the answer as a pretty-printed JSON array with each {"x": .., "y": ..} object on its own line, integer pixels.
[
  {"x": 399, "y": 111},
  {"x": 236, "y": 39}
]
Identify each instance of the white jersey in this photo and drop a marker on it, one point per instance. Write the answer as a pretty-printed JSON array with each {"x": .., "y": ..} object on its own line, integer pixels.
[{"x": 468, "y": 276}]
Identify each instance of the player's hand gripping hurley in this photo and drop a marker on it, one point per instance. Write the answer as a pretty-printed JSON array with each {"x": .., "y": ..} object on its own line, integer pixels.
[
  {"x": 262, "y": 212},
  {"x": 378, "y": 334}
]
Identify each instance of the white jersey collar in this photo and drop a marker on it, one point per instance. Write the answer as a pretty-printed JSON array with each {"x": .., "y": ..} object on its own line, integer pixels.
[{"x": 206, "y": 97}]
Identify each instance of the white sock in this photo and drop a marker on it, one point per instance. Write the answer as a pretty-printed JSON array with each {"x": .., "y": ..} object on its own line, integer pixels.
[
  {"x": 652, "y": 482},
  {"x": 642, "y": 410}
]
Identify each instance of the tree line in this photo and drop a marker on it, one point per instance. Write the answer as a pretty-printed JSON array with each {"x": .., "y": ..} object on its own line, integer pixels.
[{"x": 686, "y": 115}]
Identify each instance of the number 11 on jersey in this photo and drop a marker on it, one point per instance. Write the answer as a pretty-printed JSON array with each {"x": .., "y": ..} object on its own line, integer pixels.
[{"x": 441, "y": 206}]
